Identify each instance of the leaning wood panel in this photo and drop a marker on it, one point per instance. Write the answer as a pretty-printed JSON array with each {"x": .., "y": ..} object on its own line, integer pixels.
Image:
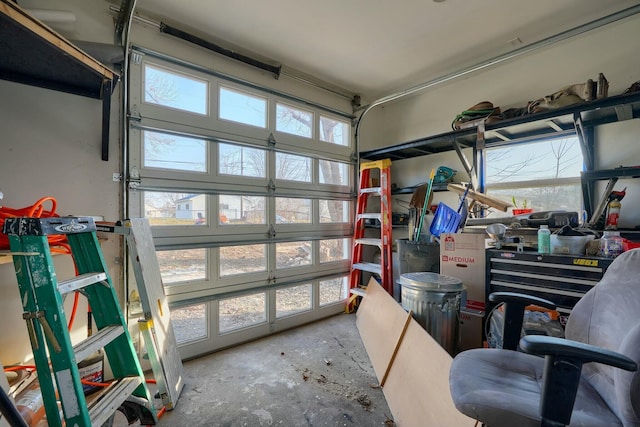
[
  {"x": 380, "y": 323},
  {"x": 417, "y": 388}
]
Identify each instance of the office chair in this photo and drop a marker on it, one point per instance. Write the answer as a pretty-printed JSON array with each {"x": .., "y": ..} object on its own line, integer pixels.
[{"x": 589, "y": 379}]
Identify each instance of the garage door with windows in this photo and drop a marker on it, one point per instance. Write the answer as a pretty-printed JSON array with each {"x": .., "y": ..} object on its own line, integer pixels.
[{"x": 249, "y": 195}]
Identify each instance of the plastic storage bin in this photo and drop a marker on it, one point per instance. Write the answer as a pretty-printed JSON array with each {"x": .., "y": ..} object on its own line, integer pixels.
[
  {"x": 435, "y": 301},
  {"x": 569, "y": 245}
]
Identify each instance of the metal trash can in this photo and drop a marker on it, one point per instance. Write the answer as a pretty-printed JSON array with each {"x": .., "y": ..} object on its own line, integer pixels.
[{"x": 434, "y": 300}]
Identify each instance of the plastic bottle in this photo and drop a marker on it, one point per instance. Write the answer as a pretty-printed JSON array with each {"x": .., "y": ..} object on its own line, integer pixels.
[
  {"x": 30, "y": 404},
  {"x": 613, "y": 215},
  {"x": 544, "y": 240},
  {"x": 611, "y": 244}
]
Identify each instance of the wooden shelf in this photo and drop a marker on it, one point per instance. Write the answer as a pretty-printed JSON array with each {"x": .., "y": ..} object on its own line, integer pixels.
[
  {"x": 33, "y": 54},
  {"x": 7, "y": 256}
]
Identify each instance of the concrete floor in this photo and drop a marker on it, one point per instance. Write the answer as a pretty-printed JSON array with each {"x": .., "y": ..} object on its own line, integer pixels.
[{"x": 315, "y": 375}]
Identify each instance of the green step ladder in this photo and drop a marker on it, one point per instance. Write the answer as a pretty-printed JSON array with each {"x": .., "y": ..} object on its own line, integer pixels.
[{"x": 42, "y": 298}]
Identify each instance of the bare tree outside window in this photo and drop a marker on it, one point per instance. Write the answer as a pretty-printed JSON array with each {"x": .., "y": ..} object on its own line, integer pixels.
[
  {"x": 242, "y": 161},
  {"x": 175, "y": 90},
  {"x": 545, "y": 173}
]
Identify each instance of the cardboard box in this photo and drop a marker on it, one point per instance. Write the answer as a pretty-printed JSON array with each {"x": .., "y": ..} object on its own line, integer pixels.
[{"x": 462, "y": 255}]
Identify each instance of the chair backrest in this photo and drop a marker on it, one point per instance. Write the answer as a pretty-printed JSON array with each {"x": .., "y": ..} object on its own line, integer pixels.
[{"x": 608, "y": 316}]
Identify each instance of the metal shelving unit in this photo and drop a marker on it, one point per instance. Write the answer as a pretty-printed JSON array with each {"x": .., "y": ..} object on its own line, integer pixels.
[
  {"x": 520, "y": 129},
  {"x": 580, "y": 119}
]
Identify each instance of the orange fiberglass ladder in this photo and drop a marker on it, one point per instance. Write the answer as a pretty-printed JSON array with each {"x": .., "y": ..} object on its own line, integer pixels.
[{"x": 382, "y": 270}]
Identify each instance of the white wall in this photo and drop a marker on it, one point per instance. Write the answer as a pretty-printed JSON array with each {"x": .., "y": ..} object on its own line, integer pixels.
[
  {"x": 611, "y": 50},
  {"x": 51, "y": 146}
]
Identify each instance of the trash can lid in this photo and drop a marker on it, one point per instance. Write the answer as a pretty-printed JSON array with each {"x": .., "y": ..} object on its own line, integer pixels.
[{"x": 430, "y": 282}]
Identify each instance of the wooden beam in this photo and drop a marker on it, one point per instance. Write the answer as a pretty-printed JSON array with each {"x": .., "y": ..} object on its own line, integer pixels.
[{"x": 481, "y": 197}]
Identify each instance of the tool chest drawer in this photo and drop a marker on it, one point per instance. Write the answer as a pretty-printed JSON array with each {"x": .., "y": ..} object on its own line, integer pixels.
[{"x": 562, "y": 279}]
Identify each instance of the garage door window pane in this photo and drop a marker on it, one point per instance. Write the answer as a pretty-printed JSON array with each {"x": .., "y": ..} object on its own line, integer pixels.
[
  {"x": 334, "y": 131},
  {"x": 293, "y": 254},
  {"x": 293, "y": 168},
  {"x": 243, "y": 107},
  {"x": 241, "y": 210},
  {"x": 294, "y": 121},
  {"x": 166, "y": 209},
  {"x": 333, "y": 290},
  {"x": 189, "y": 323},
  {"x": 334, "y": 250},
  {"x": 175, "y": 90},
  {"x": 293, "y": 300},
  {"x": 334, "y": 173},
  {"x": 242, "y": 161},
  {"x": 166, "y": 151},
  {"x": 184, "y": 265},
  {"x": 242, "y": 312},
  {"x": 334, "y": 211},
  {"x": 242, "y": 259},
  {"x": 293, "y": 210}
]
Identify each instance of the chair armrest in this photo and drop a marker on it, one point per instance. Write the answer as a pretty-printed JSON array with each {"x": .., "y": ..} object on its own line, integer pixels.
[
  {"x": 585, "y": 353},
  {"x": 507, "y": 297},
  {"x": 515, "y": 304},
  {"x": 562, "y": 371}
]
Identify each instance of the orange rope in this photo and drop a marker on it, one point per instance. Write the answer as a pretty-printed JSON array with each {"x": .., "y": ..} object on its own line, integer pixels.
[
  {"x": 36, "y": 210},
  {"x": 19, "y": 368}
]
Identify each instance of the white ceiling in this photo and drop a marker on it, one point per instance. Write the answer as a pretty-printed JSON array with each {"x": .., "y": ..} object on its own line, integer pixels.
[{"x": 377, "y": 47}]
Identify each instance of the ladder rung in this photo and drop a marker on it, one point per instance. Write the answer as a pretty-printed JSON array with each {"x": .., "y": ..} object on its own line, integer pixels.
[
  {"x": 111, "y": 398},
  {"x": 369, "y": 241},
  {"x": 81, "y": 281},
  {"x": 368, "y": 266},
  {"x": 97, "y": 341},
  {"x": 358, "y": 291},
  {"x": 371, "y": 215},
  {"x": 376, "y": 164},
  {"x": 377, "y": 190}
]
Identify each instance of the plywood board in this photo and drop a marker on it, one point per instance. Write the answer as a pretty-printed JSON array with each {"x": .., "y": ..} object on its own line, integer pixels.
[
  {"x": 417, "y": 384},
  {"x": 380, "y": 322},
  {"x": 417, "y": 388}
]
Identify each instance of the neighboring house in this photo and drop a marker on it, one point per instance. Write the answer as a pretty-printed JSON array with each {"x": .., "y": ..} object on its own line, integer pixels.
[
  {"x": 189, "y": 207},
  {"x": 162, "y": 212}
]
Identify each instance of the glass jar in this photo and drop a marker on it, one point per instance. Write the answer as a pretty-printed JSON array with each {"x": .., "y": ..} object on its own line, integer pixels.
[{"x": 610, "y": 244}]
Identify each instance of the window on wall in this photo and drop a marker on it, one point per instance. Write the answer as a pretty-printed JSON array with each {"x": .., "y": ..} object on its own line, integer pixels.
[
  {"x": 249, "y": 195},
  {"x": 542, "y": 175}
]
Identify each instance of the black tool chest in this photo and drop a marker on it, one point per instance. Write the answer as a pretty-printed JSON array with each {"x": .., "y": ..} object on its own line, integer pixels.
[{"x": 562, "y": 279}]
